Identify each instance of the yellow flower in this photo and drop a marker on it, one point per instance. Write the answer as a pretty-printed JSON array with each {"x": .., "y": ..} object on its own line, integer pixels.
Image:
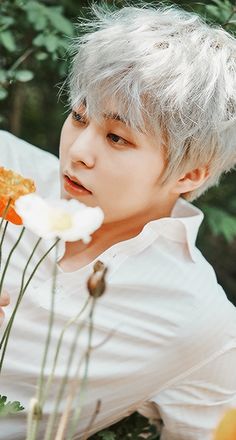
[
  {"x": 226, "y": 430},
  {"x": 12, "y": 186}
]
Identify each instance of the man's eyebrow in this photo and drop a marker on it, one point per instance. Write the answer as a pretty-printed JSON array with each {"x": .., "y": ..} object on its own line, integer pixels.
[
  {"x": 114, "y": 116},
  {"x": 110, "y": 116}
]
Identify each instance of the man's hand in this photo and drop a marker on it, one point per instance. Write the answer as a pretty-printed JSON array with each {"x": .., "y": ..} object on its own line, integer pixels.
[{"x": 4, "y": 301}]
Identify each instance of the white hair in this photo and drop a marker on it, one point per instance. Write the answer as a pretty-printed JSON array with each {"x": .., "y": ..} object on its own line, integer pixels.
[{"x": 171, "y": 74}]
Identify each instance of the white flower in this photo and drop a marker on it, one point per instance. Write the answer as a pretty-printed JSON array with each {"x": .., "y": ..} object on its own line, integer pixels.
[{"x": 66, "y": 219}]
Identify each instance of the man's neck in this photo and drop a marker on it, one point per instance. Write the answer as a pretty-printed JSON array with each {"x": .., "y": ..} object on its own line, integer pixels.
[{"x": 111, "y": 233}]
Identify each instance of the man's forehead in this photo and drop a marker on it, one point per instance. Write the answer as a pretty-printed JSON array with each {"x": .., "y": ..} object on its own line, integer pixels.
[{"x": 109, "y": 111}]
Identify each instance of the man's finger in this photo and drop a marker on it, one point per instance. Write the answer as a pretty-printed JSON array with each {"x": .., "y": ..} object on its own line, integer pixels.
[{"x": 4, "y": 299}]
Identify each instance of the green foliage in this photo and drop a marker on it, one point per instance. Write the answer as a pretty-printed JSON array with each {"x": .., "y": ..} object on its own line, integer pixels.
[
  {"x": 7, "y": 408},
  {"x": 42, "y": 35},
  {"x": 134, "y": 427},
  {"x": 220, "y": 222}
]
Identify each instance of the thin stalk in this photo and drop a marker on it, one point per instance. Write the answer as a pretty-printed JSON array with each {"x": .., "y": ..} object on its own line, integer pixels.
[
  {"x": 2, "y": 220},
  {"x": 84, "y": 381},
  {"x": 9, "y": 257},
  {"x": 20, "y": 296},
  {"x": 66, "y": 414},
  {"x": 5, "y": 212},
  {"x": 22, "y": 291},
  {"x": 64, "y": 380},
  {"x": 34, "y": 428},
  {"x": 67, "y": 325},
  {"x": 39, "y": 262},
  {"x": 3, "y": 235},
  {"x": 6, "y": 333},
  {"x": 94, "y": 415}
]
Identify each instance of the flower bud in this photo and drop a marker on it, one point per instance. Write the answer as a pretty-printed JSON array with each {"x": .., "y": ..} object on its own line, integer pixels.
[{"x": 96, "y": 282}]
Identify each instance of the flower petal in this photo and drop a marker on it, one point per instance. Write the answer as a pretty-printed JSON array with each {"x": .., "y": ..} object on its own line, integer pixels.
[{"x": 66, "y": 219}]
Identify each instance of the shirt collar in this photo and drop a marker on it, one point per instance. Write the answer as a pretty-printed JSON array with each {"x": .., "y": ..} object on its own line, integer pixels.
[{"x": 182, "y": 225}]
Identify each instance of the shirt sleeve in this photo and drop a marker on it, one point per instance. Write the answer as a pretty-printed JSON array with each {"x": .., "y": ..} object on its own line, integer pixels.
[{"x": 193, "y": 407}]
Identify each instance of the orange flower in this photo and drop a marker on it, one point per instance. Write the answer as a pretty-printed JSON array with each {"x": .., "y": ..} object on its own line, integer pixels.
[
  {"x": 226, "y": 430},
  {"x": 12, "y": 186}
]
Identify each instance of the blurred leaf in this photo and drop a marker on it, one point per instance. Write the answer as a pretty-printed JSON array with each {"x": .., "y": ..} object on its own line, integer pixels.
[
  {"x": 40, "y": 56},
  {"x": 7, "y": 408},
  {"x": 39, "y": 40},
  {"x": 51, "y": 42},
  {"x": 6, "y": 21},
  {"x": 40, "y": 23},
  {"x": 3, "y": 75},
  {"x": 59, "y": 22},
  {"x": 220, "y": 222},
  {"x": 35, "y": 12},
  {"x": 8, "y": 41},
  {"x": 3, "y": 93},
  {"x": 24, "y": 75},
  {"x": 225, "y": 4}
]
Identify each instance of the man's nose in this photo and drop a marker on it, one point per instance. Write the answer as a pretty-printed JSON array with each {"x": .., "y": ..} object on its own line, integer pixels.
[{"x": 83, "y": 148}]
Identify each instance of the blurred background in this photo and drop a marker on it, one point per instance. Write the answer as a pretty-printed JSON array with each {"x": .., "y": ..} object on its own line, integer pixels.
[{"x": 34, "y": 37}]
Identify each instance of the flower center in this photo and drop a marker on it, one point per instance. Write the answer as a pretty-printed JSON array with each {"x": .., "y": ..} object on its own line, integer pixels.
[{"x": 61, "y": 222}]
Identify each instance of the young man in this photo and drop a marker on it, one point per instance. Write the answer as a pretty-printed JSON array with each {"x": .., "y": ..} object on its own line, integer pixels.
[{"x": 152, "y": 126}]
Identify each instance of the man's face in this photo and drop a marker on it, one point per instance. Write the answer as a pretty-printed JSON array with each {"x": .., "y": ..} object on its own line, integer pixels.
[{"x": 120, "y": 167}]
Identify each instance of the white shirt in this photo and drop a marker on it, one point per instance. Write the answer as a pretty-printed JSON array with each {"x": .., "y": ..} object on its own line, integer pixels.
[{"x": 171, "y": 350}]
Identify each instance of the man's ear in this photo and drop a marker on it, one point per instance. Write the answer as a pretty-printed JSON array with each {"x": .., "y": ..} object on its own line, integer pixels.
[{"x": 192, "y": 180}]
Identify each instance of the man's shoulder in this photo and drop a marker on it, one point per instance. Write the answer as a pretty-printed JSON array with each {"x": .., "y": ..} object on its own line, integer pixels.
[
  {"x": 11, "y": 144},
  {"x": 30, "y": 161}
]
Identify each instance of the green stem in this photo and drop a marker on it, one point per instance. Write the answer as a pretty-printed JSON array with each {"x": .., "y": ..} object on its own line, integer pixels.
[
  {"x": 5, "y": 212},
  {"x": 70, "y": 322},
  {"x": 8, "y": 259},
  {"x": 84, "y": 381},
  {"x": 3, "y": 235},
  {"x": 26, "y": 285},
  {"x": 34, "y": 428},
  {"x": 60, "y": 392},
  {"x": 20, "y": 296},
  {"x": 21, "y": 59},
  {"x": 4, "y": 231}
]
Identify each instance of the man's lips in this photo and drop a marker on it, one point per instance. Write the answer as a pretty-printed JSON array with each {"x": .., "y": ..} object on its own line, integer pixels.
[{"x": 75, "y": 184}]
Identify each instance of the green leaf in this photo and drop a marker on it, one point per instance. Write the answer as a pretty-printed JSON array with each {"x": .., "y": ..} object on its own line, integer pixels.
[
  {"x": 6, "y": 21},
  {"x": 3, "y": 75},
  {"x": 24, "y": 75},
  {"x": 3, "y": 93},
  {"x": 40, "y": 23},
  {"x": 39, "y": 40},
  {"x": 60, "y": 23},
  {"x": 35, "y": 13},
  {"x": 221, "y": 222},
  {"x": 223, "y": 4},
  {"x": 7, "y": 408},
  {"x": 51, "y": 42},
  {"x": 8, "y": 40},
  {"x": 40, "y": 56}
]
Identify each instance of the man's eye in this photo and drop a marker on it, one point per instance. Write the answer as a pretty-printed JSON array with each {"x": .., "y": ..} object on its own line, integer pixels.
[
  {"x": 117, "y": 139},
  {"x": 77, "y": 117}
]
